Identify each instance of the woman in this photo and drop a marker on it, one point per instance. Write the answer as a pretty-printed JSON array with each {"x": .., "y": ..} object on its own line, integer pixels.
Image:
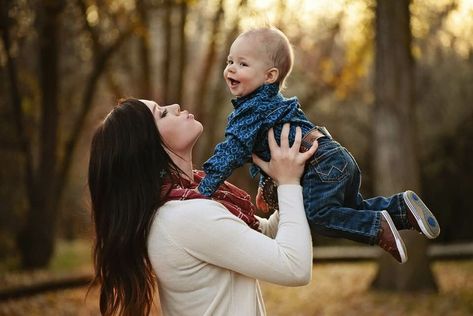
[{"x": 150, "y": 222}]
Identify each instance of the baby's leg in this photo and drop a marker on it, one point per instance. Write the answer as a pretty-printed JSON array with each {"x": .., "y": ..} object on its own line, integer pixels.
[
  {"x": 394, "y": 205},
  {"x": 406, "y": 210},
  {"x": 325, "y": 184},
  {"x": 331, "y": 185}
]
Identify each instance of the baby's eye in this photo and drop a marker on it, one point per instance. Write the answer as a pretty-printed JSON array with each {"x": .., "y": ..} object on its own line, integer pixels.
[
  {"x": 243, "y": 64},
  {"x": 164, "y": 113},
  {"x": 229, "y": 62}
]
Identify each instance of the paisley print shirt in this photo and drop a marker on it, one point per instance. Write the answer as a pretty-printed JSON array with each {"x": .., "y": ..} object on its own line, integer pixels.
[{"x": 247, "y": 133}]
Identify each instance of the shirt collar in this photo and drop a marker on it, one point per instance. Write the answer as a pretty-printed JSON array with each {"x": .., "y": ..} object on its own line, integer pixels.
[{"x": 266, "y": 91}]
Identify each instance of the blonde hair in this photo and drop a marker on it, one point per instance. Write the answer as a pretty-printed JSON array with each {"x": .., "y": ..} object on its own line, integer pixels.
[{"x": 278, "y": 49}]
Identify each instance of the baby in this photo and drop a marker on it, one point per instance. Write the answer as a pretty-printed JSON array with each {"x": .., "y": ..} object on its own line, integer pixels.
[{"x": 257, "y": 66}]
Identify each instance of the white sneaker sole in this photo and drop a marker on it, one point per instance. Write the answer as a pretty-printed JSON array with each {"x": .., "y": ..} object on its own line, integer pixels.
[
  {"x": 401, "y": 247},
  {"x": 425, "y": 219}
]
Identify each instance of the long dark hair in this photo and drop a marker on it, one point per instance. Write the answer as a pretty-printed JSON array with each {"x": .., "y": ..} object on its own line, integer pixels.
[{"x": 127, "y": 161}]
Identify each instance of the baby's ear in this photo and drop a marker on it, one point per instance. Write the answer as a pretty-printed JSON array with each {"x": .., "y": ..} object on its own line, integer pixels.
[{"x": 272, "y": 75}]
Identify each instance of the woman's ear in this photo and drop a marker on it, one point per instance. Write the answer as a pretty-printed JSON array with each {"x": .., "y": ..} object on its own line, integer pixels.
[{"x": 272, "y": 75}]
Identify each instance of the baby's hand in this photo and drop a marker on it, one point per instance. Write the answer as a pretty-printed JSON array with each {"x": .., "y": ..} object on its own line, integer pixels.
[{"x": 260, "y": 203}]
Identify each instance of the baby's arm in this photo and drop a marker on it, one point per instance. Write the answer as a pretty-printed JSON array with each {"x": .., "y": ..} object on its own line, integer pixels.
[
  {"x": 228, "y": 155},
  {"x": 233, "y": 152}
]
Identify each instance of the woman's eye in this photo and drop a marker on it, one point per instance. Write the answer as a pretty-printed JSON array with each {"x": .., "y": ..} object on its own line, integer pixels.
[{"x": 164, "y": 113}]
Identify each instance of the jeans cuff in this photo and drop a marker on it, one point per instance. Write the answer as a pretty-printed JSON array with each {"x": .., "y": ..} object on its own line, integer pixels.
[
  {"x": 403, "y": 208},
  {"x": 375, "y": 229}
]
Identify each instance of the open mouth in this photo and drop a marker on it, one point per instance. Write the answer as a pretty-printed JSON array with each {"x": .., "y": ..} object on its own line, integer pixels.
[{"x": 233, "y": 82}]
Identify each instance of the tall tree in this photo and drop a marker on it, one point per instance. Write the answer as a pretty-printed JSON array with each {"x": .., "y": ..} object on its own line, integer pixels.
[
  {"x": 36, "y": 240},
  {"x": 166, "y": 63},
  {"x": 208, "y": 63},
  {"x": 396, "y": 165},
  {"x": 205, "y": 76},
  {"x": 46, "y": 172},
  {"x": 181, "y": 66},
  {"x": 142, "y": 9},
  {"x": 215, "y": 131},
  {"x": 20, "y": 143}
]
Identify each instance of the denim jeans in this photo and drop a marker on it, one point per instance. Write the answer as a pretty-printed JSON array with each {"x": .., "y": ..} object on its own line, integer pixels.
[{"x": 332, "y": 199}]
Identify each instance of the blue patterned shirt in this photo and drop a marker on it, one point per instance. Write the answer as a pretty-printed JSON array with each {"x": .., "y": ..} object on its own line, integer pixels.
[{"x": 247, "y": 133}]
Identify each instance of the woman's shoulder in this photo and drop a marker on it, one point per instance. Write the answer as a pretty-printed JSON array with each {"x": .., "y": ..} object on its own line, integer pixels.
[
  {"x": 186, "y": 212},
  {"x": 186, "y": 221},
  {"x": 183, "y": 206}
]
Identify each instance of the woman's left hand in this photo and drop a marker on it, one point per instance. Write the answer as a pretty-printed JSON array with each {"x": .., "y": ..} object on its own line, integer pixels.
[{"x": 287, "y": 163}]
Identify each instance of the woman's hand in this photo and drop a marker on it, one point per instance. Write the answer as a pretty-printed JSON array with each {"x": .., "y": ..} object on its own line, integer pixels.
[{"x": 287, "y": 163}]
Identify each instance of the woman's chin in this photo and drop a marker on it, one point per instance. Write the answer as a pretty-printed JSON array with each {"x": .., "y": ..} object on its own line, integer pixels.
[
  {"x": 199, "y": 130},
  {"x": 201, "y": 127}
]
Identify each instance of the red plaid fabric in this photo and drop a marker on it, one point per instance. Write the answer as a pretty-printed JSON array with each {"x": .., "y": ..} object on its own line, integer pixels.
[{"x": 237, "y": 201}]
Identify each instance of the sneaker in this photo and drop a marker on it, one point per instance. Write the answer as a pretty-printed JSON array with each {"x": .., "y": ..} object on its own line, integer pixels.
[
  {"x": 390, "y": 240},
  {"x": 420, "y": 217}
]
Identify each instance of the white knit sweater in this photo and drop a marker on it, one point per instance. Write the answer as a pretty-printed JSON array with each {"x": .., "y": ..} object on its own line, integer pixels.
[{"x": 208, "y": 261}]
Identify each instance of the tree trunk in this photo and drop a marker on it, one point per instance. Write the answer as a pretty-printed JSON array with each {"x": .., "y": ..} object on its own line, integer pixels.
[
  {"x": 36, "y": 240},
  {"x": 144, "y": 49},
  {"x": 166, "y": 64},
  {"x": 208, "y": 64},
  {"x": 396, "y": 164},
  {"x": 220, "y": 87},
  {"x": 205, "y": 79},
  {"x": 181, "y": 66},
  {"x": 12, "y": 71}
]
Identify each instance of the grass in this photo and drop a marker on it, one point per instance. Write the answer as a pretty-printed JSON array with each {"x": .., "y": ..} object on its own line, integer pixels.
[
  {"x": 70, "y": 258},
  {"x": 343, "y": 289},
  {"x": 71, "y": 255},
  {"x": 336, "y": 289}
]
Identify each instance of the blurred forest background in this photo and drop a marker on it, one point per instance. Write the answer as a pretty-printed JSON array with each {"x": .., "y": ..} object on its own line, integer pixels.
[{"x": 378, "y": 74}]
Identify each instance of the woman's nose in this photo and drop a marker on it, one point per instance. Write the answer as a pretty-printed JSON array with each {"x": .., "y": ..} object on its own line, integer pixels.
[{"x": 176, "y": 108}]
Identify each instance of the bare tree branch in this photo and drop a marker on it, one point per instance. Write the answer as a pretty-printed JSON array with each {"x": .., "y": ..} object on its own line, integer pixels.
[{"x": 101, "y": 57}]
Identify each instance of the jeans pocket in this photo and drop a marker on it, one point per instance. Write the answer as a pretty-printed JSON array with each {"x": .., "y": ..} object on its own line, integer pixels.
[{"x": 332, "y": 166}]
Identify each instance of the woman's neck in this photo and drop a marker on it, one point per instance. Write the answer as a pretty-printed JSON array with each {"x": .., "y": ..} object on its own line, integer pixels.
[{"x": 184, "y": 162}]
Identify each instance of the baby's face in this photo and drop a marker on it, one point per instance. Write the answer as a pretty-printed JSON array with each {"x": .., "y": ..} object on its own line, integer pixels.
[{"x": 247, "y": 66}]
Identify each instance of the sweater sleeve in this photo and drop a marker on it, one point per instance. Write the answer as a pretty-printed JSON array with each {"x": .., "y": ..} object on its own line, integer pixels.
[
  {"x": 269, "y": 226},
  {"x": 219, "y": 238}
]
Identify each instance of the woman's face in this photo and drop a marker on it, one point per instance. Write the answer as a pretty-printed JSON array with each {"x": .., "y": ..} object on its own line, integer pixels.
[{"x": 177, "y": 128}]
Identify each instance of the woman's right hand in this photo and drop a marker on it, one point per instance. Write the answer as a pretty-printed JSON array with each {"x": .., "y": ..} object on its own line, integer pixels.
[{"x": 287, "y": 163}]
